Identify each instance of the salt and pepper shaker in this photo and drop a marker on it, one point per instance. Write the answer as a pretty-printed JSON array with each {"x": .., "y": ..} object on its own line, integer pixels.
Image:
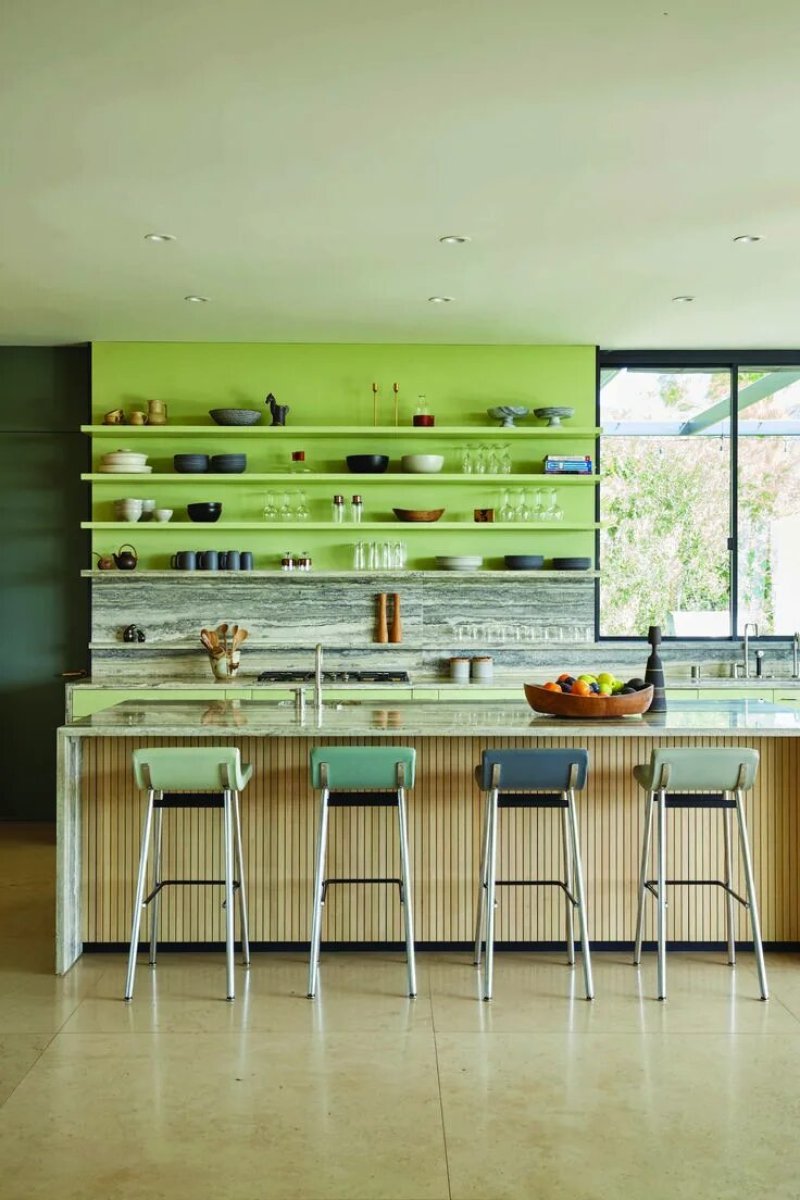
[
  {"x": 396, "y": 627},
  {"x": 381, "y": 625},
  {"x": 338, "y": 509},
  {"x": 356, "y": 509}
]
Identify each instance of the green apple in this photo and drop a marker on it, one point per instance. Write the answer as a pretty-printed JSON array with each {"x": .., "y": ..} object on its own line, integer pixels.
[
  {"x": 605, "y": 689},
  {"x": 605, "y": 677},
  {"x": 617, "y": 687},
  {"x": 587, "y": 678}
]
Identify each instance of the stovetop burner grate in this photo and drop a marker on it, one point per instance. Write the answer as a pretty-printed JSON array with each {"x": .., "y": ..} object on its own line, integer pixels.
[{"x": 354, "y": 676}]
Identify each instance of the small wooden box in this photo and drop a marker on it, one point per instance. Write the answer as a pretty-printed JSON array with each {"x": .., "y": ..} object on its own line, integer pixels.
[{"x": 484, "y": 515}]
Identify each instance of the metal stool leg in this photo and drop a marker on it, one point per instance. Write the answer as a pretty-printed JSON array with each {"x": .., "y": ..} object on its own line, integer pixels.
[
  {"x": 230, "y": 913},
  {"x": 729, "y": 919},
  {"x": 744, "y": 843},
  {"x": 646, "y": 842},
  {"x": 316, "y": 917},
  {"x": 155, "y": 904},
  {"x": 479, "y": 917},
  {"x": 662, "y": 894},
  {"x": 491, "y": 878},
  {"x": 581, "y": 891},
  {"x": 237, "y": 822},
  {"x": 139, "y": 899},
  {"x": 408, "y": 914},
  {"x": 569, "y": 918}
]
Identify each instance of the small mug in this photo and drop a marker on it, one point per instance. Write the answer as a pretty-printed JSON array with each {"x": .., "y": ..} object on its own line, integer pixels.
[
  {"x": 233, "y": 561},
  {"x": 184, "y": 560},
  {"x": 246, "y": 560},
  {"x": 115, "y": 417},
  {"x": 208, "y": 560}
]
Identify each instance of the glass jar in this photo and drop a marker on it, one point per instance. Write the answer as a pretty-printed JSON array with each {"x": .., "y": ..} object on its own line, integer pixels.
[
  {"x": 338, "y": 509},
  {"x": 356, "y": 509},
  {"x": 422, "y": 415}
]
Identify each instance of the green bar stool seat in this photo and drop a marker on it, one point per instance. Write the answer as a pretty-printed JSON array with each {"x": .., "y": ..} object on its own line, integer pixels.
[
  {"x": 190, "y": 777},
  {"x": 697, "y": 779},
  {"x": 361, "y": 776},
  {"x": 532, "y": 779}
]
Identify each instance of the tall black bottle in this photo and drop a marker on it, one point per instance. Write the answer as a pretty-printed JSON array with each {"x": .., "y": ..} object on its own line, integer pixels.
[{"x": 654, "y": 671}]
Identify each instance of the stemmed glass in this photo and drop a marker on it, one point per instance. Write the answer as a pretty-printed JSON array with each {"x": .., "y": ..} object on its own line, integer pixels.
[
  {"x": 479, "y": 459},
  {"x": 504, "y": 459},
  {"x": 301, "y": 510},
  {"x": 270, "y": 507},
  {"x": 467, "y": 460},
  {"x": 285, "y": 509},
  {"x": 505, "y": 513}
]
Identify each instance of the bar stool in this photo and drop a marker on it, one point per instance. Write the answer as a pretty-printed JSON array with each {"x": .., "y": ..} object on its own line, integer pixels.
[
  {"x": 362, "y": 776},
  {"x": 204, "y": 777},
  {"x": 532, "y": 779},
  {"x": 700, "y": 779}
]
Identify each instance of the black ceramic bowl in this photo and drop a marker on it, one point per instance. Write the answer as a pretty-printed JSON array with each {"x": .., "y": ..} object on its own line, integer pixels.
[
  {"x": 524, "y": 562},
  {"x": 190, "y": 464},
  {"x": 368, "y": 464},
  {"x": 208, "y": 510},
  {"x": 228, "y": 464},
  {"x": 571, "y": 564}
]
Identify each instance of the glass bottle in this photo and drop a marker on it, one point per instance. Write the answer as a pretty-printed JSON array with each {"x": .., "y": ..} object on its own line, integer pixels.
[
  {"x": 338, "y": 509},
  {"x": 422, "y": 415},
  {"x": 298, "y": 463},
  {"x": 356, "y": 509}
]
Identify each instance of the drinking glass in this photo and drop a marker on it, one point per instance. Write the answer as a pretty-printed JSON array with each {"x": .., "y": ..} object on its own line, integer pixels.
[
  {"x": 285, "y": 510},
  {"x": 479, "y": 459},
  {"x": 302, "y": 511},
  {"x": 491, "y": 459},
  {"x": 467, "y": 460},
  {"x": 504, "y": 459},
  {"x": 505, "y": 510},
  {"x": 359, "y": 556},
  {"x": 373, "y": 558},
  {"x": 398, "y": 555},
  {"x": 386, "y": 556},
  {"x": 270, "y": 507}
]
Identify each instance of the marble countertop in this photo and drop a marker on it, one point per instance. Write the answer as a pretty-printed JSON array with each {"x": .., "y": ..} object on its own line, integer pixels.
[
  {"x": 501, "y": 681},
  {"x": 199, "y": 718}
]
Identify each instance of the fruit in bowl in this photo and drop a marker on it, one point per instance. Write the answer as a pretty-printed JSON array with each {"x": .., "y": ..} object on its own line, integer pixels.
[{"x": 588, "y": 695}]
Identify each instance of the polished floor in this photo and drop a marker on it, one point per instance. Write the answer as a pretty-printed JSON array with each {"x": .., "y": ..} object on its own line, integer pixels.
[{"x": 365, "y": 1094}]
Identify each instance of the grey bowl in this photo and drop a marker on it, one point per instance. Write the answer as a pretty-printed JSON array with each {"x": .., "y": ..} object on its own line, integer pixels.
[
  {"x": 524, "y": 562},
  {"x": 228, "y": 464},
  {"x": 235, "y": 416},
  {"x": 190, "y": 464},
  {"x": 205, "y": 511}
]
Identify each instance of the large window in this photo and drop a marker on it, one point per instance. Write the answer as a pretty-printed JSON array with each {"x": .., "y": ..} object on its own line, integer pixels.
[{"x": 700, "y": 497}]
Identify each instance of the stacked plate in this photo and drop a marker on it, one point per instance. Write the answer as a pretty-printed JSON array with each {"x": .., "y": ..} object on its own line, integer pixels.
[
  {"x": 571, "y": 564},
  {"x": 459, "y": 562},
  {"x": 124, "y": 462},
  {"x": 228, "y": 464},
  {"x": 190, "y": 464}
]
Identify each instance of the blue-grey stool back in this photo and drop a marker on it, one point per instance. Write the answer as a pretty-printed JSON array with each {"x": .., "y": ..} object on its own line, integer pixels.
[
  {"x": 190, "y": 777},
  {"x": 532, "y": 779},
  {"x": 699, "y": 779},
  {"x": 353, "y": 777}
]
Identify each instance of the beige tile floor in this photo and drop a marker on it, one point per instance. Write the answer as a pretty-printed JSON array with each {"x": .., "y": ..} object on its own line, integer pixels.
[{"x": 365, "y": 1094}]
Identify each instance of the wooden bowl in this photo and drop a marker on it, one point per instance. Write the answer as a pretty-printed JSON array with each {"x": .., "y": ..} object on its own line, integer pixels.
[
  {"x": 563, "y": 704},
  {"x": 418, "y": 514}
]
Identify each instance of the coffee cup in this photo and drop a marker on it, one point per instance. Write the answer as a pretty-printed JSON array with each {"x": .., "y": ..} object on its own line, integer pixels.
[
  {"x": 246, "y": 560},
  {"x": 185, "y": 560},
  {"x": 208, "y": 560},
  {"x": 233, "y": 561},
  {"x": 162, "y": 514}
]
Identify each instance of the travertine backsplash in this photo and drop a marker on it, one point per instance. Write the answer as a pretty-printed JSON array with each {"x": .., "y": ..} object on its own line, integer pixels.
[{"x": 522, "y": 621}]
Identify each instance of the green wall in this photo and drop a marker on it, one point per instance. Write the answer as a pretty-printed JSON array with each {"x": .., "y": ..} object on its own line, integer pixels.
[
  {"x": 331, "y": 385},
  {"x": 44, "y": 604}
]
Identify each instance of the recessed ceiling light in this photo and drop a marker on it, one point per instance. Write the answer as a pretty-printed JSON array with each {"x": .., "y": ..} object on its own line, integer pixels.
[
  {"x": 682, "y": 299},
  {"x": 159, "y": 237},
  {"x": 744, "y": 238},
  {"x": 454, "y": 239},
  {"x": 197, "y": 299},
  {"x": 439, "y": 299}
]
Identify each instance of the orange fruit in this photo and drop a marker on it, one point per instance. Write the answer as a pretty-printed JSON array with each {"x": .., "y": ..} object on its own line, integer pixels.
[
  {"x": 565, "y": 675},
  {"x": 552, "y": 687},
  {"x": 580, "y": 688}
]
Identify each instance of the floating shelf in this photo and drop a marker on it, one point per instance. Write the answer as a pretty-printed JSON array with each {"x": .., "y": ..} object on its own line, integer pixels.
[
  {"x": 349, "y": 527},
  {"x": 175, "y": 576},
  {"x": 511, "y": 480},
  {"x": 296, "y": 432}
]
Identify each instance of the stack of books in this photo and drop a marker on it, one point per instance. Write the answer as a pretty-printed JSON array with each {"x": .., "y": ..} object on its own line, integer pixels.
[{"x": 568, "y": 464}]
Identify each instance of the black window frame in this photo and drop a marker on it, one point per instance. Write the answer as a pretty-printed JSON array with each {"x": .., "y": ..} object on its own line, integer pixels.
[{"x": 669, "y": 360}]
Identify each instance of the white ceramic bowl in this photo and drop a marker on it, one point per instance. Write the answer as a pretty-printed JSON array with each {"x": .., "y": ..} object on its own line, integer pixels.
[
  {"x": 162, "y": 514},
  {"x": 459, "y": 562},
  {"x": 422, "y": 464},
  {"x": 124, "y": 458}
]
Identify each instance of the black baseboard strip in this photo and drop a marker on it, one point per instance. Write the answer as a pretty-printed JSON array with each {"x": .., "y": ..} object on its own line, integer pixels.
[{"x": 421, "y": 947}]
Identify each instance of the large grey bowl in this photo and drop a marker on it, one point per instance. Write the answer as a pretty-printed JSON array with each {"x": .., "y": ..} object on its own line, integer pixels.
[
  {"x": 505, "y": 414},
  {"x": 235, "y": 416}
]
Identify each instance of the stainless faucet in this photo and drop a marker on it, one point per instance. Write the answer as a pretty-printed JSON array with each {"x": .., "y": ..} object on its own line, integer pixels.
[
  {"x": 748, "y": 626},
  {"x": 318, "y": 678},
  {"x": 796, "y": 656}
]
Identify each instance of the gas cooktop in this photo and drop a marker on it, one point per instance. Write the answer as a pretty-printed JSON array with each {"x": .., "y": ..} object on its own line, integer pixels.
[{"x": 306, "y": 676}]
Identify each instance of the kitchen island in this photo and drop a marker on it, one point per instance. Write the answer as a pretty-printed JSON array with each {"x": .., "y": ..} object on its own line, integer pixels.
[{"x": 99, "y": 821}]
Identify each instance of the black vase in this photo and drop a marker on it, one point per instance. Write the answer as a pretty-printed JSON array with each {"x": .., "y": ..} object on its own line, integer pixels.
[{"x": 654, "y": 671}]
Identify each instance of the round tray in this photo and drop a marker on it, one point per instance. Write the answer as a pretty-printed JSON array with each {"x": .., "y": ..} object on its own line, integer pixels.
[{"x": 563, "y": 704}]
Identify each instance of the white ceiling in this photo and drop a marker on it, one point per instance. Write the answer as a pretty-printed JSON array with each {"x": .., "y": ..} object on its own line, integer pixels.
[{"x": 308, "y": 155}]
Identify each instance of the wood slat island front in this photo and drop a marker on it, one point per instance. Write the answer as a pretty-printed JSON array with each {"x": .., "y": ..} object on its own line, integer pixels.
[{"x": 100, "y": 813}]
